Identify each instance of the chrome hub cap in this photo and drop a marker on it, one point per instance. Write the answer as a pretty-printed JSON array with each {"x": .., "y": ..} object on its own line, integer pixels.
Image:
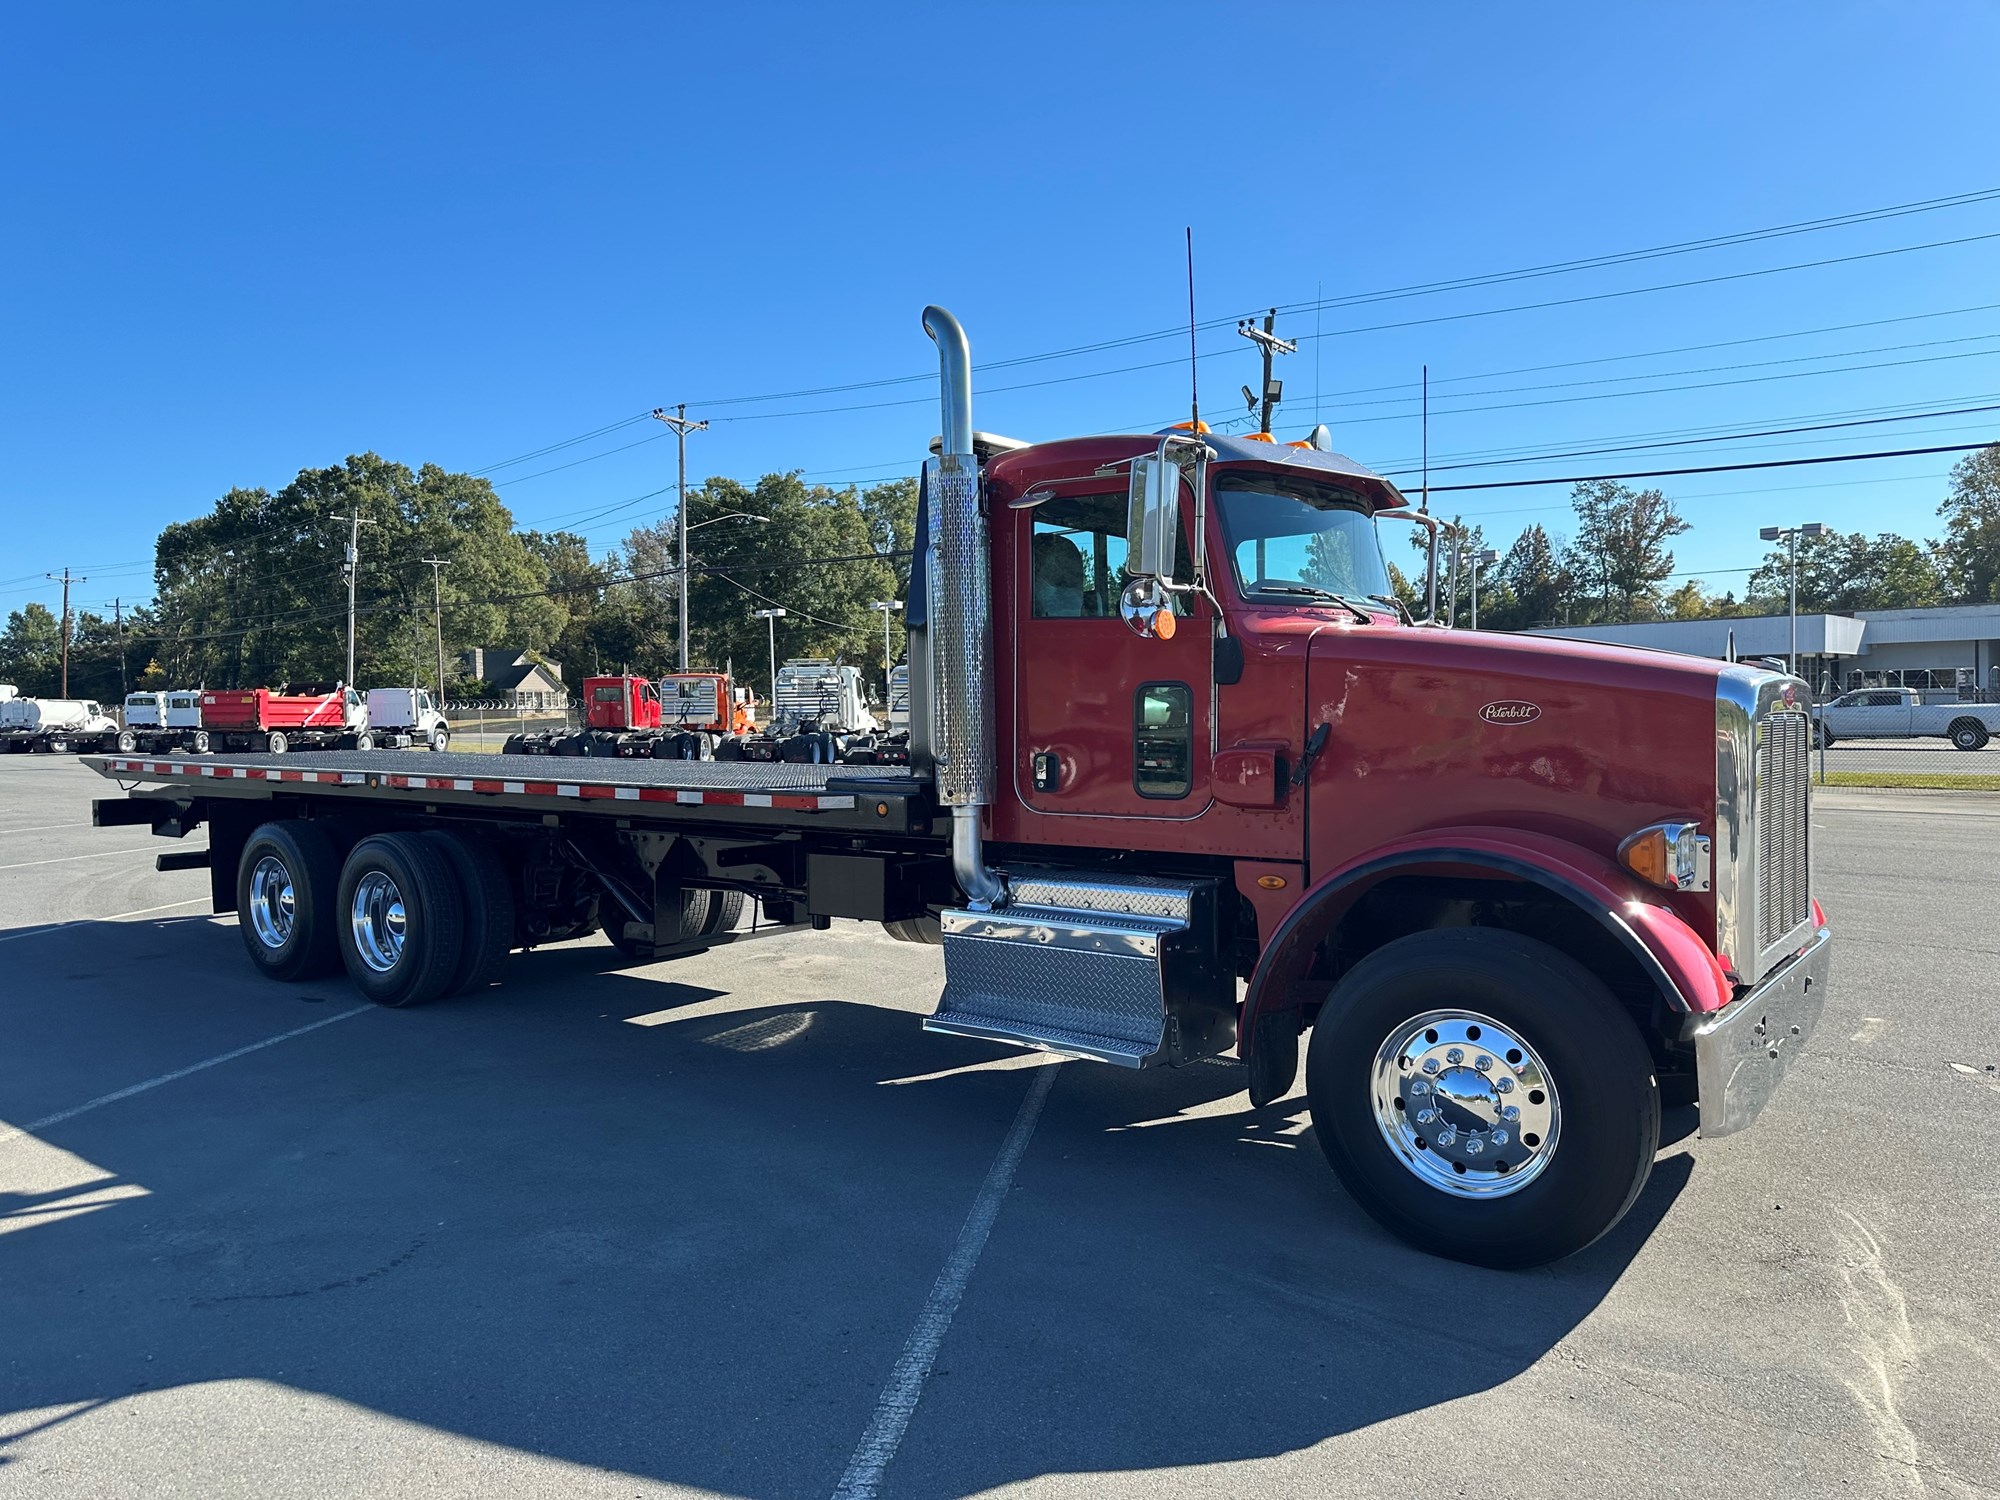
[
  {"x": 1465, "y": 1104},
  {"x": 273, "y": 905},
  {"x": 378, "y": 921}
]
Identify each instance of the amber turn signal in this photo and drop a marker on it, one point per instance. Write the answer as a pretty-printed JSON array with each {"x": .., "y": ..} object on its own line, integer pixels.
[
  {"x": 1672, "y": 856},
  {"x": 1271, "y": 882},
  {"x": 1163, "y": 624}
]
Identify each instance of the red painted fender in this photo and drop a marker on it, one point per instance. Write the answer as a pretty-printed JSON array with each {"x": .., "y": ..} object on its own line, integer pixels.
[{"x": 1681, "y": 964}]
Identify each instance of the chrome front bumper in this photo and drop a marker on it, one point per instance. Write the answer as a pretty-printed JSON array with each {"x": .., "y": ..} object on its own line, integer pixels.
[{"x": 1742, "y": 1050}]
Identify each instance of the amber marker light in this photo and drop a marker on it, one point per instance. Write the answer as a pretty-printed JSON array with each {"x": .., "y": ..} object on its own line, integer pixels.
[
  {"x": 1163, "y": 624},
  {"x": 1271, "y": 882},
  {"x": 1672, "y": 856}
]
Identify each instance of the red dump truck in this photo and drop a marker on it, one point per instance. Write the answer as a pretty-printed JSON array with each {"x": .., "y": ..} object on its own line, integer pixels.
[
  {"x": 273, "y": 722},
  {"x": 1184, "y": 782}
]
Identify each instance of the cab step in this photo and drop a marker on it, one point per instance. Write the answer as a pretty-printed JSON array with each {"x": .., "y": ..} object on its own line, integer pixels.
[{"x": 1125, "y": 970}]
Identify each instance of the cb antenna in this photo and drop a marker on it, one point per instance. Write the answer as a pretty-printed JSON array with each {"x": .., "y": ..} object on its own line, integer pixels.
[{"x": 1194, "y": 374}]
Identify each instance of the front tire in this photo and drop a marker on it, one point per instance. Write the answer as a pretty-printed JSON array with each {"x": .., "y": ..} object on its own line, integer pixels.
[
  {"x": 286, "y": 883},
  {"x": 1464, "y": 1025},
  {"x": 127, "y": 742},
  {"x": 364, "y": 741},
  {"x": 200, "y": 742},
  {"x": 278, "y": 743},
  {"x": 400, "y": 918},
  {"x": 440, "y": 739}
]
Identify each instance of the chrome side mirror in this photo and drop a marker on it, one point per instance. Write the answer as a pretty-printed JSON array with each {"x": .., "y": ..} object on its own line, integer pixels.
[
  {"x": 1147, "y": 609},
  {"x": 1153, "y": 518}
]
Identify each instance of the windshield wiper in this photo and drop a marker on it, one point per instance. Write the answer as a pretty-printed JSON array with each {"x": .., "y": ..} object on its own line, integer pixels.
[
  {"x": 1306, "y": 591},
  {"x": 1397, "y": 605}
]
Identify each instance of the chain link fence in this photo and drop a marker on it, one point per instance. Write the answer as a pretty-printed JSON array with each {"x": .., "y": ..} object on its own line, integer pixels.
[
  {"x": 1908, "y": 738},
  {"x": 484, "y": 724}
]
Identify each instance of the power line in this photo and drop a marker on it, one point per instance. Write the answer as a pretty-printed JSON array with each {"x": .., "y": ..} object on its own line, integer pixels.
[{"x": 1768, "y": 463}]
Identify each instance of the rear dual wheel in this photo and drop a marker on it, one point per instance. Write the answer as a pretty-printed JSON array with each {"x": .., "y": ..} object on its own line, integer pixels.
[
  {"x": 1483, "y": 1097},
  {"x": 285, "y": 889}
]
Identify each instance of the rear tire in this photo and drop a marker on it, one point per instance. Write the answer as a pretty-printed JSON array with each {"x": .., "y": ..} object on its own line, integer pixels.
[
  {"x": 686, "y": 920},
  {"x": 1968, "y": 734},
  {"x": 400, "y": 919},
  {"x": 286, "y": 885},
  {"x": 487, "y": 896},
  {"x": 1588, "y": 1113},
  {"x": 725, "y": 910}
]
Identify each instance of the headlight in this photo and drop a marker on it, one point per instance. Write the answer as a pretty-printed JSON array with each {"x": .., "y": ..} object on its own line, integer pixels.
[{"x": 1673, "y": 856}]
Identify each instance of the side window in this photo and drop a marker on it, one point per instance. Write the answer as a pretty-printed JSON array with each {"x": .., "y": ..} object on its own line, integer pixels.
[
  {"x": 1162, "y": 739},
  {"x": 1077, "y": 558}
]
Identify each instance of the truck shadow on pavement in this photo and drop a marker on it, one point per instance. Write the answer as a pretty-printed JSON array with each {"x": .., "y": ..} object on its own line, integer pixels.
[{"x": 691, "y": 1249}]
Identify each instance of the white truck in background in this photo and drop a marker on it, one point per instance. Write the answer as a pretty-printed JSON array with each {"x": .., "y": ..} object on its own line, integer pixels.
[
  {"x": 55, "y": 726},
  {"x": 1901, "y": 714},
  {"x": 399, "y": 718},
  {"x": 163, "y": 721}
]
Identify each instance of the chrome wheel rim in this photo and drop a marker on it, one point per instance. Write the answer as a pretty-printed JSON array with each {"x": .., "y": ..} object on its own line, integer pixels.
[
  {"x": 274, "y": 908},
  {"x": 378, "y": 921},
  {"x": 1465, "y": 1104}
]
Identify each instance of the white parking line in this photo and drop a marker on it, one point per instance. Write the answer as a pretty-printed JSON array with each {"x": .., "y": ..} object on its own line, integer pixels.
[
  {"x": 152, "y": 1083},
  {"x": 44, "y": 828},
  {"x": 898, "y": 1402},
  {"x": 70, "y": 859},
  {"x": 144, "y": 911}
]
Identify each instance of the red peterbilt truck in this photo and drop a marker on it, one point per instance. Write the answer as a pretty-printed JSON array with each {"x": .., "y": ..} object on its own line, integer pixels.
[{"x": 1181, "y": 785}]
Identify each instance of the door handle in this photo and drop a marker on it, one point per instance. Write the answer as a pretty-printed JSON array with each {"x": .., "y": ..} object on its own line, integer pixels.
[{"x": 1048, "y": 771}]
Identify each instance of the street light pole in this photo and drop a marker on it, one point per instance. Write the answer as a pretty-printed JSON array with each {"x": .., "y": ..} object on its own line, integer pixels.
[
  {"x": 1790, "y": 536},
  {"x": 888, "y": 607},
  {"x": 770, "y": 617},
  {"x": 1488, "y": 556},
  {"x": 682, "y": 427}
]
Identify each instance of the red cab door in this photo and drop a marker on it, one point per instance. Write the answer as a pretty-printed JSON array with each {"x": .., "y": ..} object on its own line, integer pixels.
[{"x": 1108, "y": 723}]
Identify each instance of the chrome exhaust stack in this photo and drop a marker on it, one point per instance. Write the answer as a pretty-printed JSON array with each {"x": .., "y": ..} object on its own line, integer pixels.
[{"x": 960, "y": 624}]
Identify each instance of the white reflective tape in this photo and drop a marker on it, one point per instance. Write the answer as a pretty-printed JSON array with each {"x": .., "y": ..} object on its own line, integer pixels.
[
  {"x": 689, "y": 797},
  {"x": 756, "y": 799},
  {"x": 461, "y": 784},
  {"x": 568, "y": 791},
  {"x": 512, "y": 786},
  {"x": 626, "y": 793}
]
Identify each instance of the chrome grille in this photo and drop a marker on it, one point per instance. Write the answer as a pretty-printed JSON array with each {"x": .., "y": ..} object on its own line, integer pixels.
[{"x": 1784, "y": 888}]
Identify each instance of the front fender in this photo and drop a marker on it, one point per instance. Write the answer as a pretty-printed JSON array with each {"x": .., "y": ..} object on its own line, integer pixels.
[{"x": 1682, "y": 967}]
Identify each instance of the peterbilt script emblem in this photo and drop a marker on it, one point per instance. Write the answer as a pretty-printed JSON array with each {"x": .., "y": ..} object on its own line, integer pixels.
[{"x": 1511, "y": 711}]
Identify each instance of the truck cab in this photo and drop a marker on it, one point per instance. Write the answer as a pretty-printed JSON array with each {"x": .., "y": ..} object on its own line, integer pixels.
[{"x": 615, "y": 703}]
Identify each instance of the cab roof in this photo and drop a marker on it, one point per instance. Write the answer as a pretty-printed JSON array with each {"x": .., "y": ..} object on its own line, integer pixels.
[{"x": 1076, "y": 458}]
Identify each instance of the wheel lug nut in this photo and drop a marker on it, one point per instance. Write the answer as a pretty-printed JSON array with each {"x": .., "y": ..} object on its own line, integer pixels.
[
  {"x": 1430, "y": 1065},
  {"x": 1426, "y": 1116},
  {"x": 1504, "y": 1085},
  {"x": 1447, "y": 1137},
  {"x": 1482, "y": 1062},
  {"x": 1500, "y": 1137},
  {"x": 1510, "y": 1111},
  {"x": 1418, "y": 1087},
  {"x": 1474, "y": 1145},
  {"x": 1456, "y": 1055}
]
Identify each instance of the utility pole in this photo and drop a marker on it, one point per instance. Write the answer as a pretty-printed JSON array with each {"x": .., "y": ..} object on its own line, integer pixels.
[
  {"x": 1485, "y": 556},
  {"x": 118, "y": 622},
  {"x": 682, "y": 427},
  {"x": 357, "y": 521},
  {"x": 1268, "y": 341},
  {"x": 437, "y": 566},
  {"x": 65, "y": 580}
]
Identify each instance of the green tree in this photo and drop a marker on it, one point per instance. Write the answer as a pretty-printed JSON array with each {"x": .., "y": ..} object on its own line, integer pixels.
[
  {"x": 1970, "y": 550},
  {"x": 1536, "y": 585},
  {"x": 1848, "y": 571},
  {"x": 31, "y": 651},
  {"x": 1620, "y": 548}
]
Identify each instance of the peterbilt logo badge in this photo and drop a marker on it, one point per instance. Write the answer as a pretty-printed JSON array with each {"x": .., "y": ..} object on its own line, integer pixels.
[{"x": 1511, "y": 711}]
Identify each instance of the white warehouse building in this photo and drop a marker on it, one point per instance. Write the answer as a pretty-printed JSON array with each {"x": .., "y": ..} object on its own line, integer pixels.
[{"x": 1954, "y": 647}]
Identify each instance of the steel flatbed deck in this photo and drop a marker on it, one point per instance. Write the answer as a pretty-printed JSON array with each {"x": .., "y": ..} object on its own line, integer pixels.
[{"x": 877, "y": 798}]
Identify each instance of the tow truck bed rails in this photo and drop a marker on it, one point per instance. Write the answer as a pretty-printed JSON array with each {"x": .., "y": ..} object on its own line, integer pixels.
[{"x": 884, "y": 799}]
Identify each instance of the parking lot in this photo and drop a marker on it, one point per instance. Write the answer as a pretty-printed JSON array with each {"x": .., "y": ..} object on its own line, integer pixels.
[{"x": 735, "y": 1225}]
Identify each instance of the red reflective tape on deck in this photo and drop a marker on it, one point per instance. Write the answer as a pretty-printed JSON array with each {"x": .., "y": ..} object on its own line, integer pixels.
[
  {"x": 492, "y": 788},
  {"x": 721, "y": 799},
  {"x": 539, "y": 788},
  {"x": 599, "y": 791}
]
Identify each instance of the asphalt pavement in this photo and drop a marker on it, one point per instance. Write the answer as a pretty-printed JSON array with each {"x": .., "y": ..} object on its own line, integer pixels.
[{"x": 735, "y": 1225}]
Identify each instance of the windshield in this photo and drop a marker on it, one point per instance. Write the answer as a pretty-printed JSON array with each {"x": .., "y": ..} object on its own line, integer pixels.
[{"x": 1290, "y": 537}]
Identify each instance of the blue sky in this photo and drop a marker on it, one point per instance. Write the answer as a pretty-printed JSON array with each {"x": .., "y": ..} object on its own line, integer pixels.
[{"x": 242, "y": 240}]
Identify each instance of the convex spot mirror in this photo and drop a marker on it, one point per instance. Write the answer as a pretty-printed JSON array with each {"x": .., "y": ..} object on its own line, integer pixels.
[
  {"x": 1146, "y": 609},
  {"x": 1153, "y": 518}
]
